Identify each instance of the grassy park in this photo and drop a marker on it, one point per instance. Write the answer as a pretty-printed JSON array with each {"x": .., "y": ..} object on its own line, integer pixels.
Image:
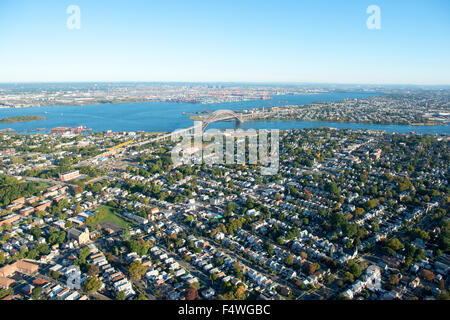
[{"x": 107, "y": 214}]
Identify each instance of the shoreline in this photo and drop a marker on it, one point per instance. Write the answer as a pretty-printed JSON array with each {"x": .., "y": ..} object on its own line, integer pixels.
[
  {"x": 20, "y": 119},
  {"x": 143, "y": 100},
  {"x": 349, "y": 122}
]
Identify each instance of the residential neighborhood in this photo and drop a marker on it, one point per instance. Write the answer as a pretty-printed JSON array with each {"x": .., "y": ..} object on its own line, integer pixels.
[{"x": 351, "y": 214}]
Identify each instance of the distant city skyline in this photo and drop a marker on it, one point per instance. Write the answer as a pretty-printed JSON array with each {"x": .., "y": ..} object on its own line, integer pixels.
[{"x": 262, "y": 42}]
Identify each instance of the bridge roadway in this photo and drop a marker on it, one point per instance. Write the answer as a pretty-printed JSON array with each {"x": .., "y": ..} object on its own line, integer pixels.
[
  {"x": 220, "y": 115},
  {"x": 158, "y": 138}
]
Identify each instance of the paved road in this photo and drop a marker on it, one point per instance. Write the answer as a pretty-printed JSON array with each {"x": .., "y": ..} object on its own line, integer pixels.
[{"x": 56, "y": 182}]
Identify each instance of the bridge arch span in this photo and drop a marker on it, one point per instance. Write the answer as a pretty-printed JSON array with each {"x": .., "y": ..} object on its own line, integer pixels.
[{"x": 221, "y": 115}]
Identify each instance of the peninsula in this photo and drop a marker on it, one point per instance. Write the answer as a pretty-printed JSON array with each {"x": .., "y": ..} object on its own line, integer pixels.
[{"x": 22, "y": 119}]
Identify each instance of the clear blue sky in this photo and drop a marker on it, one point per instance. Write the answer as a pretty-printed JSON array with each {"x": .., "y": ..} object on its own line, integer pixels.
[{"x": 232, "y": 40}]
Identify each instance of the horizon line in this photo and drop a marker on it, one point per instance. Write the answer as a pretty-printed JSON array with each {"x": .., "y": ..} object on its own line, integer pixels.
[{"x": 230, "y": 82}]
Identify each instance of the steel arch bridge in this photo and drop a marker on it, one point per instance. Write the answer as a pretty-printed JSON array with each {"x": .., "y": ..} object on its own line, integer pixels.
[{"x": 220, "y": 115}]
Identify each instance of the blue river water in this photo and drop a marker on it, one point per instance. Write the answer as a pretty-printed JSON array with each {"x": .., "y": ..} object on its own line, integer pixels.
[{"x": 167, "y": 116}]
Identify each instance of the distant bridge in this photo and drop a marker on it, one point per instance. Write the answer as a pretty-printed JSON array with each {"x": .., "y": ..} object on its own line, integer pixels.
[{"x": 221, "y": 115}]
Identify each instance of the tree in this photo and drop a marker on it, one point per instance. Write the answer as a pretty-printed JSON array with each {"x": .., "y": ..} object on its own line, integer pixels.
[
  {"x": 355, "y": 269},
  {"x": 370, "y": 204},
  {"x": 136, "y": 270},
  {"x": 36, "y": 232},
  {"x": 229, "y": 208},
  {"x": 40, "y": 214},
  {"x": 395, "y": 244},
  {"x": 348, "y": 277},
  {"x": 121, "y": 295},
  {"x": 343, "y": 297},
  {"x": 218, "y": 262},
  {"x": 141, "y": 247},
  {"x": 191, "y": 294},
  {"x": 403, "y": 184},
  {"x": 280, "y": 241},
  {"x": 92, "y": 284},
  {"x": 444, "y": 295},
  {"x": 418, "y": 233},
  {"x": 195, "y": 285},
  {"x": 428, "y": 275},
  {"x": 289, "y": 260},
  {"x": 93, "y": 270},
  {"x": 141, "y": 296},
  {"x": 36, "y": 293},
  {"x": 6, "y": 292},
  {"x": 444, "y": 237},
  {"x": 54, "y": 274},
  {"x": 375, "y": 226},
  {"x": 394, "y": 280},
  {"x": 237, "y": 270},
  {"x": 311, "y": 268},
  {"x": 32, "y": 254},
  {"x": 84, "y": 253},
  {"x": 240, "y": 292},
  {"x": 359, "y": 211},
  {"x": 43, "y": 248},
  {"x": 350, "y": 230},
  {"x": 57, "y": 237},
  {"x": 338, "y": 219},
  {"x": 126, "y": 234},
  {"x": 332, "y": 188},
  {"x": 213, "y": 277}
]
